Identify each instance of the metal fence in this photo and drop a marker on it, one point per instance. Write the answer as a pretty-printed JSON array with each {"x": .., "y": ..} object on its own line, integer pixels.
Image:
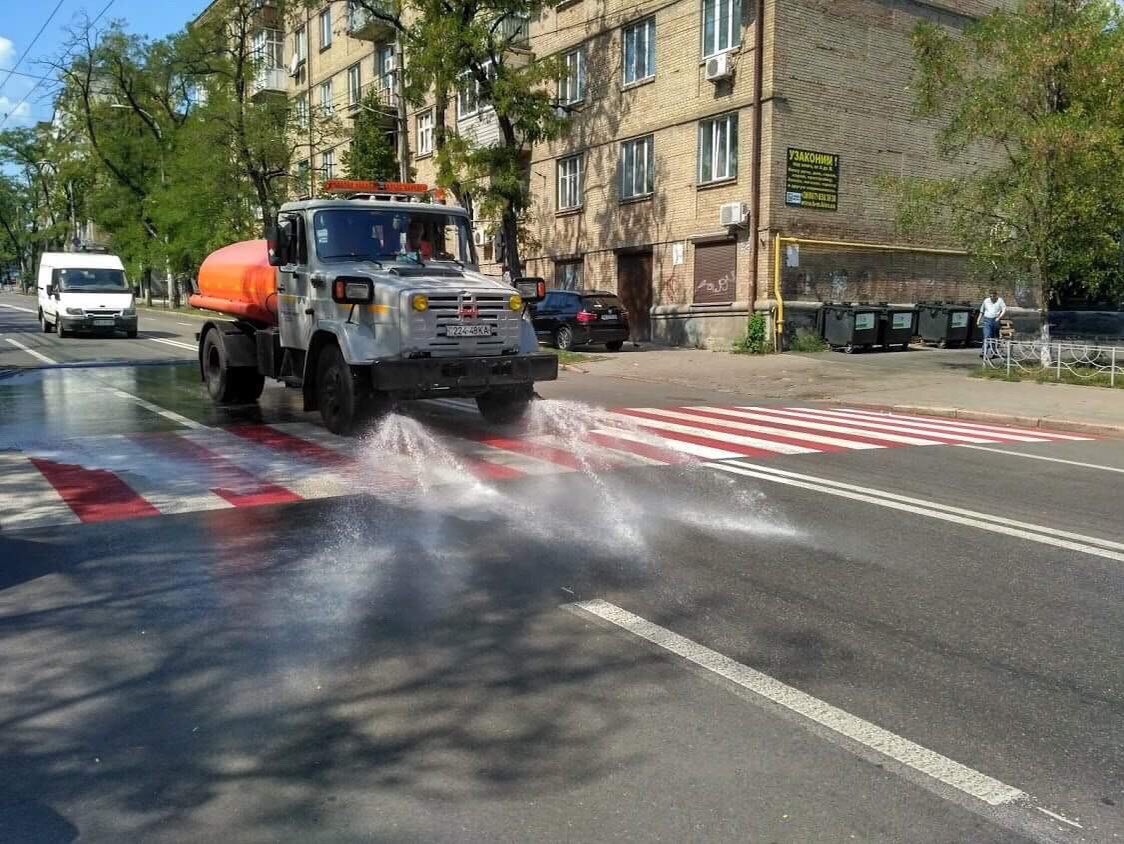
[{"x": 1060, "y": 360}]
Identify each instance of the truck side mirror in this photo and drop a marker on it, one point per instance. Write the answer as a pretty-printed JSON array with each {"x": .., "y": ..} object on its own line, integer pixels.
[
  {"x": 275, "y": 245},
  {"x": 531, "y": 288}
]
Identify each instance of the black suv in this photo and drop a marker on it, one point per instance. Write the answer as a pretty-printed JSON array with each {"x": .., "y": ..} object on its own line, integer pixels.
[{"x": 568, "y": 318}]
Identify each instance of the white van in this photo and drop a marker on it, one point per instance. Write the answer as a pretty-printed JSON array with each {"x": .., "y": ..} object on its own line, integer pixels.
[{"x": 82, "y": 291}]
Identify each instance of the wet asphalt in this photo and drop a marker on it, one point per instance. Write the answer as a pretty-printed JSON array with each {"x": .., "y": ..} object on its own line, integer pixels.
[{"x": 408, "y": 667}]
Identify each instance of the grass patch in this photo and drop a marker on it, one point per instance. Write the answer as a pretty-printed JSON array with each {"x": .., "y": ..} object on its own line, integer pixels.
[
  {"x": 571, "y": 357},
  {"x": 1091, "y": 378},
  {"x": 756, "y": 339},
  {"x": 806, "y": 341}
]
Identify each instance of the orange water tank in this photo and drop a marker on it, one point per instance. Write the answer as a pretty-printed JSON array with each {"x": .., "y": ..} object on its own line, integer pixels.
[{"x": 239, "y": 281}]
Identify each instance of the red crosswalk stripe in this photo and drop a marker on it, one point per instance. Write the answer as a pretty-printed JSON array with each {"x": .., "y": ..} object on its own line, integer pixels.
[
  {"x": 772, "y": 436},
  {"x": 95, "y": 495},
  {"x": 652, "y": 452}
]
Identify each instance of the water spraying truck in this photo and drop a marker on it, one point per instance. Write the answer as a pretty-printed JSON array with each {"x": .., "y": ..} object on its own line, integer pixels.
[{"x": 366, "y": 299}]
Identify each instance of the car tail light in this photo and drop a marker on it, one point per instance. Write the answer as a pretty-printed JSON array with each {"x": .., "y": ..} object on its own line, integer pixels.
[{"x": 586, "y": 316}]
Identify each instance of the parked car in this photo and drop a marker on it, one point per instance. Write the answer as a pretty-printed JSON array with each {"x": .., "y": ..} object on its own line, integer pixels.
[{"x": 569, "y": 318}]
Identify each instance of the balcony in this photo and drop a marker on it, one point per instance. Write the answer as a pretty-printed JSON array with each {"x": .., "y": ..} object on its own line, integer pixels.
[
  {"x": 268, "y": 80},
  {"x": 365, "y": 26},
  {"x": 385, "y": 104},
  {"x": 515, "y": 30}
]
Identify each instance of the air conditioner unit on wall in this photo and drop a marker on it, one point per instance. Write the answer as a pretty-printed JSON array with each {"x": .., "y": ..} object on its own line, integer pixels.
[
  {"x": 295, "y": 66},
  {"x": 731, "y": 214},
  {"x": 719, "y": 67},
  {"x": 479, "y": 236}
]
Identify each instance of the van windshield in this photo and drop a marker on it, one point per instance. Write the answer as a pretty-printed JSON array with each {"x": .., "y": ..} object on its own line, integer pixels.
[
  {"x": 346, "y": 234},
  {"x": 83, "y": 280}
]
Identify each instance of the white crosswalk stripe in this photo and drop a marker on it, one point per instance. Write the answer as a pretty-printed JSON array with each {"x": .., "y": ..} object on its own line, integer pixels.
[{"x": 202, "y": 468}]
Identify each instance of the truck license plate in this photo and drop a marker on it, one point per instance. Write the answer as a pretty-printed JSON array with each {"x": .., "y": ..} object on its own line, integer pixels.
[
  {"x": 468, "y": 331},
  {"x": 103, "y": 323}
]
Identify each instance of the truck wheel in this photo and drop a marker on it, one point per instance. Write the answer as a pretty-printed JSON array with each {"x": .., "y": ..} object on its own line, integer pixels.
[
  {"x": 250, "y": 384},
  {"x": 503, "y": 406},
  {"x": 223, "y": 382},
  {"x": 345, "y": 401}
]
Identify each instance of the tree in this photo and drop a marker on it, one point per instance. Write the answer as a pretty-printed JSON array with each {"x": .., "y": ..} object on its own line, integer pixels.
[
  {"x": 1041, "y": 88},
  {"x": 371, "y": 154},
  {"x": 479, "y": 47}
]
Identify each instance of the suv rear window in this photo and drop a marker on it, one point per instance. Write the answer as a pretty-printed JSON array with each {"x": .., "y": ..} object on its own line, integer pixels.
[{"x": 601, "y": 302}]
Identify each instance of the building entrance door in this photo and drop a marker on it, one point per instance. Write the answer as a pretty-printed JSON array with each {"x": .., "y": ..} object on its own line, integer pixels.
[{"x": 634, "y": 286}]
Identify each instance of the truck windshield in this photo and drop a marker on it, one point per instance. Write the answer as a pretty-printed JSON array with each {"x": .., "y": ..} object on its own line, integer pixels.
[
  {"x": 83, "y": 280},
  {"x": 343, "y": 234}
]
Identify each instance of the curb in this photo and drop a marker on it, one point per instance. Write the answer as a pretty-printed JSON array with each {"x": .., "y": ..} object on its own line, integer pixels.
[{"x": 1011, "y": 419}]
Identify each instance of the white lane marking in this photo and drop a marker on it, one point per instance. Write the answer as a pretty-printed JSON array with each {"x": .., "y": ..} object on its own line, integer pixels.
[
  {"x": 178, "y": 344},
  {"x": 651, "y": 438},
  {"x": 991, "y": 523},
  {"x": 18, "y": 308},
  {"x": 861, "y": 425},
  {"x": 751, "y": 442},
  {"x": 1043, "y": 457},
  {"x": 901, "y": 750},
  {"x": 958, "y": 424},
  {"x": 157, "y": 409},
  {"x": 1058, "y": 817},
  {"x": 935, "y": 427},
  {"x": 772, "y": 414},
  {"x": 760, "y": 429},
  {"x": 30, "y": 500},
  {"x": 31, "y": 352}
]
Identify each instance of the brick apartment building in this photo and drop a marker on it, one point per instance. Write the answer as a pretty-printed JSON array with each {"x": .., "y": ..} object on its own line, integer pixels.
[{"x": 676, "y": 102}]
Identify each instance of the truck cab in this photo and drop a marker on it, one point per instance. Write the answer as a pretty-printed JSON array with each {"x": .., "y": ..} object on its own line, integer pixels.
[{"x": 377, "y": 298}]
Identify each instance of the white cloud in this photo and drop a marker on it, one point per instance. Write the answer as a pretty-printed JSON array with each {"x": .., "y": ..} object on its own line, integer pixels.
[
  {"x": 7, "y": 52},
  {"x": 13, "y": 112}
]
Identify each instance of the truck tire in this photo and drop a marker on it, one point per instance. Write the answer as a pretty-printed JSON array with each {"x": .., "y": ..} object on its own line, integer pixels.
[
  {"x": 345, "y": 401},
  {"x": 501, "y": 407}
]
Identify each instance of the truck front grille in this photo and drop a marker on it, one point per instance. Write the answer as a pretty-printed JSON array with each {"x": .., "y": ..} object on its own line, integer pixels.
[{"x": 429, "y": 330}]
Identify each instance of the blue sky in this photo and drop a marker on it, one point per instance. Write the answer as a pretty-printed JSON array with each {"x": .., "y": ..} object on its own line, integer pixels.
[{"x": 23, "y": 18}]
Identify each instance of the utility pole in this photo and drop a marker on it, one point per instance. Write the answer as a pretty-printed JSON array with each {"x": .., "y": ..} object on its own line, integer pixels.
[{"x": 400, "y": 97}]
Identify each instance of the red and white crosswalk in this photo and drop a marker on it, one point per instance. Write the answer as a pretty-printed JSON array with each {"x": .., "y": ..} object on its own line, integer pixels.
[{"x": 128, "y": 476}]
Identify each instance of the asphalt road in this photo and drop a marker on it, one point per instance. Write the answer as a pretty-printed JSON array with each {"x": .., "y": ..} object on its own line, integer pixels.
[{"x": 502, "y": 635}]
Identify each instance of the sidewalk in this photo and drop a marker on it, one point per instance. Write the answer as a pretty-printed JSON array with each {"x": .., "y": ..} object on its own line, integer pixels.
[{"x": 919, "y": 381}]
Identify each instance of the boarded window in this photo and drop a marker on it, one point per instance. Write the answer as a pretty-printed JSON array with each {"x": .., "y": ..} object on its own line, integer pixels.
[{"x": 715, "y": 272}]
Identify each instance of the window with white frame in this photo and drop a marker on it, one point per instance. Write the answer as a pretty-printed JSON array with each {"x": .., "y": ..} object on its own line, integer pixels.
[
  {"x": 722, "y": 26},
  {"x": 326, "y": 28},
  {"x": 638, "y": 47},
  {"x": 468, "y": 93},
  {"x": 571, "y": 88},
  {"x": 301, "y": 187},
  {"x": 638, "y": 171},
  {"x": 569, "y": 182},
  {"x": 718, "y": 148},
  {"x": 327, "y": 107},
  {"x": 425, "y": 132},
  {"x": 269, "y": 47},
  {"x": 354, "y": 85},
  {"x": 300, "y": 110},
  {"x": 328, "y": 164},
  {"x": 300, "y": 44}
]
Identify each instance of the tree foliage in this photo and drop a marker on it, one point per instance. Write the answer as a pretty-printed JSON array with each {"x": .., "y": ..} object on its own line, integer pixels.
[
  {"x": 371, "y": 154},
  {"x": 1037, "y": 93}
]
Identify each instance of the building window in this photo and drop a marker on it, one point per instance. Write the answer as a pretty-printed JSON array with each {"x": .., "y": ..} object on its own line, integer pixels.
[
  {"x": 326, "y": 105},
  {"x": 569, "y": 182},
  {"x": 300, "y": 111},
  {"x": 354, "y": 85},
  {"x": 300, "y": 44},
  {"x": 269, "y": 47},
  {"x": 384, "y": 70},
  {"x": 722, "y": 25},
  {"x": 571, "y": 88},
  {"x": 425, "y": 132},
  {"x": 639, "y": 49},
  {"x": 302, "y": 177},
  {"x": 568, "y": 275},
  {"x": 718, "y": 148},
  {"x": 326, "y": 28},
  {"x": 638, "y": 171},
  {"x": 328, "y": 164}
]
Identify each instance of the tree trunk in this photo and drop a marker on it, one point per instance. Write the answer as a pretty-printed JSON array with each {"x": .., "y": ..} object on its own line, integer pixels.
[{"x": 146, "y": 285}]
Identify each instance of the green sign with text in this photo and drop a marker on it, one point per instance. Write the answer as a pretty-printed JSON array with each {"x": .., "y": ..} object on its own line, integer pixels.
[{"x": 812, "y": 180}]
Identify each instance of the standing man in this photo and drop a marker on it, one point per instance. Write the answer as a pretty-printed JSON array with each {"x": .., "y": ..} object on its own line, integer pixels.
[{"x": 991, "y": 311}]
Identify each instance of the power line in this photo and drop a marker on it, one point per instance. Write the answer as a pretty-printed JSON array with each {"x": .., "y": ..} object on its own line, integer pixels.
[
  {"x": 27, "y": 49},
  {"x": 35, "y": 87}
]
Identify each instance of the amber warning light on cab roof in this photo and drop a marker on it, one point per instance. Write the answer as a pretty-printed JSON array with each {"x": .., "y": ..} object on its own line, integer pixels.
[{"x": 346, "y": 186}]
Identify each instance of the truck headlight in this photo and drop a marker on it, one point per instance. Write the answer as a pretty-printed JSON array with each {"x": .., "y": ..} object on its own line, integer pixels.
[
  {"x": 75, "y": 311},
  {"x": 515, "y": 302},
  {"x": 419, "y": 302}
]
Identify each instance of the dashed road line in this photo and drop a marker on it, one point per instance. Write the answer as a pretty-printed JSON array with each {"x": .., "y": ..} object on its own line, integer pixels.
[
  {"x": 175, "y": 343},
  {"x": 37, "y": 355},
  {"x": 18, "y": 308}
]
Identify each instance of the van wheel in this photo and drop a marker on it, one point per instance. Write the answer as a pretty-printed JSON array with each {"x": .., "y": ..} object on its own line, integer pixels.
[
  {"x": 345, "y": 400},
  {"x": 59, "y": 330},
  {"x": 43, "y": 324},
  {"x": 503, "y": 406},
  {"x": 132, "y": 335}
]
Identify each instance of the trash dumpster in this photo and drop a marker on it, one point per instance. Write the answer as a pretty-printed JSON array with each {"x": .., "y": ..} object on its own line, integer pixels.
[
  {"x": 849, "y": 327},
  {"x": 944, "y": 323},
  {"x": 895, "y": 325}
]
